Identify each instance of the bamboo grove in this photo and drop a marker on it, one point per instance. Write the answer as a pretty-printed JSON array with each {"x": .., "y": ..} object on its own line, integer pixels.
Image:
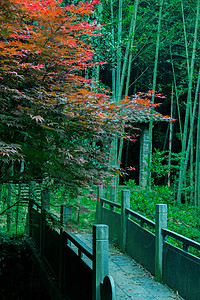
[{"x": 155, "y": 45}]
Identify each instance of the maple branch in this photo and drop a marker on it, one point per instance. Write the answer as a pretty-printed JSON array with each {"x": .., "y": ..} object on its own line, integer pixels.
[
  {"x": 63, "y": 22},
  {"x": 1, "y": 213},
  {"x": 138, "y": 77},
  {"x": 54, "y": 33}
]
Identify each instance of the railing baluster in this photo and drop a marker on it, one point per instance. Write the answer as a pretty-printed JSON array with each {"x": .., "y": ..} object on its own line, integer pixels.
[
  {"x": 185, "y": 247},
  {"x": 142, "y": 223},
  {"x": 111, "y": 207},
  {"x": 188, "y": 242},
  {"x": 80, "y": 253}
]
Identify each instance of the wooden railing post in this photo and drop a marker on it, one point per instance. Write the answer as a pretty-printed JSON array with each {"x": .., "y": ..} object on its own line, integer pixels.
[
  {"x": 161, "y": 222},
  {"x": 32, "y": 190},
  {"x": 45, "y": 199},
  {"x": 31, "y": 199},
  {"x": 45, "y": 206},
  {"x": 30, "y": 204},
  {"x": 61, "y": 262},
  {"x": 113, "y": 193},
  {"x": 125, "y": 203},
  {"x": 100, "y": 258},
  {"x": 100, "y": 194},
  {"x": 66, "y": 215}
]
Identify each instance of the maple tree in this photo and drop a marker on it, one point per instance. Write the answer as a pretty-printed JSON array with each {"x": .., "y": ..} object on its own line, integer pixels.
[{"x": 50, "y": 114}]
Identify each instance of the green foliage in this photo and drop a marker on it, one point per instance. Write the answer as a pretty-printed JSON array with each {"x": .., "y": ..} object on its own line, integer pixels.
[
  {"x": 84, "y": 207},
  {"x": 144, "y": 201},
  {"x": 181, "y": 219},
  {"x": 87, "y": 213},
  {"x": 160, "y": 163},
  {"x": 17, "y": 211}
]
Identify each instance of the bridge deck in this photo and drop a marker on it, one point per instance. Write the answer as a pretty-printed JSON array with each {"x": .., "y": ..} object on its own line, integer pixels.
[{"x": 132, "y": 281}]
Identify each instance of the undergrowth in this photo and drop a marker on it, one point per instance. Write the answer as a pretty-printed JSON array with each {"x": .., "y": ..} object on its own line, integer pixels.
[{"x": 182, "y": 219}]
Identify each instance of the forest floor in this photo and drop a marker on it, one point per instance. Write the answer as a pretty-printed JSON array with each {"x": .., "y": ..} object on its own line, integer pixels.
[{"x": 19, "y": 278}]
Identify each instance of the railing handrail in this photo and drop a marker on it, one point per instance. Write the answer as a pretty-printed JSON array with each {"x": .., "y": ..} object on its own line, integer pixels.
[
  {"x": 143, "y": 219},
  {"x": 82, "y": 247},
  {"x": 36, "y": 204},
  {"x": 111, "y": 203},
  {"x": 186, "y": 241},
  {"x": 166, "y": 232}
]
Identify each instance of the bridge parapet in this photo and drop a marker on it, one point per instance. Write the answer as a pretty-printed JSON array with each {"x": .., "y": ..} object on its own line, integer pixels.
[
  {"x": 146, "y": 242},
  {"x": 79, "y": 271}
]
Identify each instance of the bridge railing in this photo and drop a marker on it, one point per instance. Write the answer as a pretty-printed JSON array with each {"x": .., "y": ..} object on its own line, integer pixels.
[
  {"x": 146, "y": 241},
  {"x": 185, "y": 241},
  {"x": 80, "y": 272}
]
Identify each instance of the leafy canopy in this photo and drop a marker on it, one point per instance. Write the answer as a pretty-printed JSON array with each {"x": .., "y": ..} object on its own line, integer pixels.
[{"x": 52, "y": 118}]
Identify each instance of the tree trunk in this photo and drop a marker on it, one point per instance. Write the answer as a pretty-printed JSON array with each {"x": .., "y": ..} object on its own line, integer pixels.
[
  {"x": 128, "y": 47},
  {"x": 197, "y": 166},
  {"x": 170, "y": 138},
  {"x": 176, "y": 93},
  {"x": 183, "y": 165},
  {"x": 119, "y": 52},
  {"x": 113, "y": 56},
  {"x": 9, "y": 203},
  {"x": 189, "y": 149},
  {"x": 154, "y": 88}
]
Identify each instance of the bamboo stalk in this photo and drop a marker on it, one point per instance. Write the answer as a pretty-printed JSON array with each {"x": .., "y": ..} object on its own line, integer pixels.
[
  {"x": 170, "y": 138},
  {"x": 183, "y": 166},
  {"x": 197, "y": 166},
  {"x": 119, "y": 52},
  {"x": 129, "y": 46},
  {"x": 154, "y": 87}
]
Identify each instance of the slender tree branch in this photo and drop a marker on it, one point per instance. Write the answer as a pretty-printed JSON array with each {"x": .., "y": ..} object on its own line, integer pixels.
[{"x": 1, "y": 213}]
